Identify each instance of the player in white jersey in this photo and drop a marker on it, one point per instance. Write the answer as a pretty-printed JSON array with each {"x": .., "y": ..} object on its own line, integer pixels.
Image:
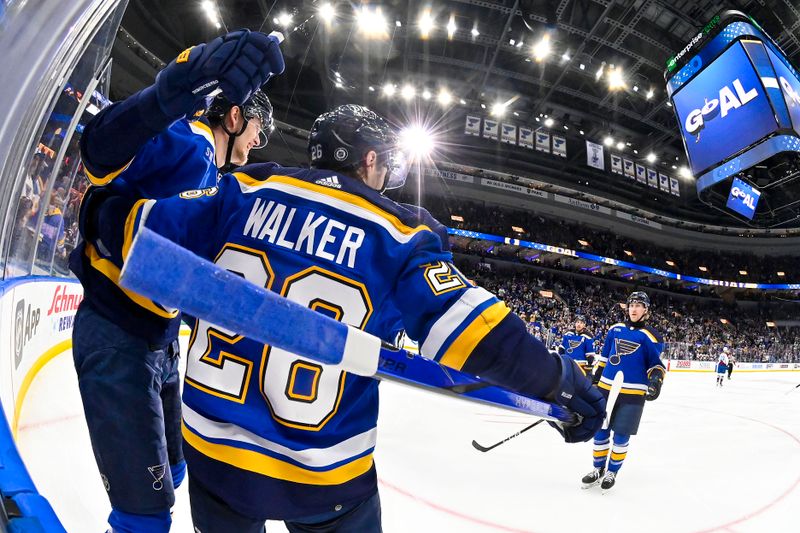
[{"x": 722, "y": 365}]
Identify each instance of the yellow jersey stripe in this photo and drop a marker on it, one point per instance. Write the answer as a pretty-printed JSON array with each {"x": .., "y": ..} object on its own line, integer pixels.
[
  {"x": 623, "y": 390},
  {"x": 129, "y": 223},
  {"x": 265, "y": 465},
  {"x": 110, "y": 270},
  {"x": 105, "y": 180},
  {"x": 649, "y": 335},
  {"x": 353, "y": 199},
  {"x": 461, "y": 348}
]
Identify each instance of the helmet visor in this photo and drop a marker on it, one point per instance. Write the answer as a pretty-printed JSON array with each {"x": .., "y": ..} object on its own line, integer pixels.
[{"x": 398, "y": 164}]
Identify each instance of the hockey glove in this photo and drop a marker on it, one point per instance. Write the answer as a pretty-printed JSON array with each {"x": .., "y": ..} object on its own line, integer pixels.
[
  {"x": 654, "y": 387},
  {"x": 238, "y": 63},
  {"x": 575, "y": 392}
]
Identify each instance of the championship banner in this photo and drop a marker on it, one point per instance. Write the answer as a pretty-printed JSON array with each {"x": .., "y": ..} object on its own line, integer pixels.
[
  {"x": 640, "y": 174},
  {"x": 674, "y": 188},
  {"x": 594, "y": 155},
  {"x": 559, "y": 146},
  {"x": 542, "y": 142},
  {"x": 664, "y": 182},
  {"x": 509, "y": 134},
  {"x": 473, "y": 126},
  {"x": 490, "y": 128},
  {"x": 652, "y": 178},
  {"x": 526, "y": 137},
  {"x": 616, "y": 164},
  {"x": 629, "y": 171}
]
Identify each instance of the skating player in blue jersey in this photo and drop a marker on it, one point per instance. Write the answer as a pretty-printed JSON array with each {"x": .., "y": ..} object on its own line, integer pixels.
[
  {"x": 579, "y": 344},
  {"x": 269, "y": 435},
  {"x": 632, "y": 349},
  {"x": 156, "y": 143}
]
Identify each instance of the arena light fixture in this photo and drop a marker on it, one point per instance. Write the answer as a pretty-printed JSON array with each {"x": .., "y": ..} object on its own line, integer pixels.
[
  {"x": 451, "y": 26},
  {"x": 723, "y": 320},
  {"x": 426, "y": 23},
  {"x": 426, "y": 94},
  {"x": 417, "y": 141},
  {"x": 541, "y": 49},
  {"x": 462, "y": 101},
  {"x": 475, "y": 31},
  {"x": 650, "y": 94},
  {"x": 444, "y": 97},
  {"x": 517, "y": 229},
  {"x": 371, "y": 89},
  {"x": 781, "y": 274},
  {"x": 743, "y": 272},
  {"x": 703, "y": 269},
  {"x": 651, "y": 157},
  {"x": 284, "y": 19},
  {"x": 685, "y": 173},
  {"x": 616, "y": 80},
  {"x": 620, "y": 146},
  {"x": 636, "y": 88},
  {"x": 548, "y": 122},
  {"x": 456, "y": 218},
  {"x": 583, "y": 242},
  {"x": 371, "y": 22},
  {"x": 499, "y": 109},
  {"x": 211, "y": 12},
  {"x": 408, "y": 92},
  {"x": 582, "y": 66},
  {"x": 599, "y": 73},
  {"x": 581, "y": 132},
  {"x": 770, "y": 324},
  {"x": 565, "y": 57},
  {"x": 327, "y": 13},
  {"x": 670, "y": 262},
  {"x": 628, "y": 253},
  {"x": 608, "y": 141},
  {"x": 389, "y": 89}
]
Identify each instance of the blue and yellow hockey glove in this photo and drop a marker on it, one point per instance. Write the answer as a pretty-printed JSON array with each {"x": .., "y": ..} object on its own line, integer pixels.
[{"x": 576, "y": 393}]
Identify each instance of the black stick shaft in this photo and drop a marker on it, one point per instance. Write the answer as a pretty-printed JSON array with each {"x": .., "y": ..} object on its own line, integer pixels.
[{"x": 495, "y": 445}]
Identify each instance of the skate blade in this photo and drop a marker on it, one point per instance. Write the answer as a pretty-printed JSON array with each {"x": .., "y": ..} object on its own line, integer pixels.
[{"x": 586, "y": 486}]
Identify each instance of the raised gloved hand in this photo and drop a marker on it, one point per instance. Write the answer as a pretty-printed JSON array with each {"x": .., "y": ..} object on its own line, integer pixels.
[
  {"x": 238, "y": 63},
  {"x": 576, "y": 393},
  {"x": 654, "y": 387}
]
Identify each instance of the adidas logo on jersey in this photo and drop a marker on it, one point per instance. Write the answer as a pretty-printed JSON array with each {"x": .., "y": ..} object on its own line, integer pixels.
[{"x": 332, "y": 182}]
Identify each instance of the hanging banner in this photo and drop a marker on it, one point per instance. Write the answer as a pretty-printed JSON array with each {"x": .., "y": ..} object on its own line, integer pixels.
[
  {"x": 526, "y": 137},
  {"x": 652, "y": 178},
  {"x": 542, "y": 142},
  {"x": 473, "y": 126},
  {"x": 509, "y": 134},
  {"x": 490, "y": 128},
  {"x": 641, "y": 177},
  {"x": 629, "y": 170},
  {"x": 616, "y": 164},
  {"x": 664, "y": 182},
  {"x": 674, "y": 188},
  {"x": 594, "y": 155},
  {"x": 559, "y": 146}
]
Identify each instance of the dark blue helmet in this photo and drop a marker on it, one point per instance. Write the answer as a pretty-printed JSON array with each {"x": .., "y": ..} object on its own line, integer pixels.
[
  {"x": 257, "y": 106},
  {"x": 339, "y": 140},
  {"x": 580, "y": 318},
  {"x": 641, "y": 297}
]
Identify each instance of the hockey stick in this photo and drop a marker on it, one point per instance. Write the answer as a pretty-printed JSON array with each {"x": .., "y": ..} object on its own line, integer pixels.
[
  {"x": 613, "y": 394},
  {"x": 496, "y": 444},
  {"x": 792, "y": 389},
  {"x": 175, "y": 277}
]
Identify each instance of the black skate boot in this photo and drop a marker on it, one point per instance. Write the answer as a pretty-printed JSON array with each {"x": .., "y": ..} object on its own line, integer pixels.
[
  {"x": 593, "y": 478},
  {"x": 608, "y": 481}
]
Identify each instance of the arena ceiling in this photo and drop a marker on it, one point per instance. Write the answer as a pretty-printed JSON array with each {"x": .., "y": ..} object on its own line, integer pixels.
[{"x": 481, "y": 53}]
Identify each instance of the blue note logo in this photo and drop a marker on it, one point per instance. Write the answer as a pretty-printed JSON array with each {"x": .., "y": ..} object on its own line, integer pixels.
[
  {"x": 729, "y": 99},
  {"x": 472, "y": 121}
]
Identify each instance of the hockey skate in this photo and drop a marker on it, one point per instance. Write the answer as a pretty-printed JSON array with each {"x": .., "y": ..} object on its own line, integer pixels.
[
  {"x": 608, "y": 481},
  {"x": 592, "y": 478}
]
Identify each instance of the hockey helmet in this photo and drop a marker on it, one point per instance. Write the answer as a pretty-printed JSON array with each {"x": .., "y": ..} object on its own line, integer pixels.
[
  {"x": 257, "y": 106},
  {"x": 641, "y": 297},
  {"x": 339, "y": 140},
  {"x": 580, "y": 318}
]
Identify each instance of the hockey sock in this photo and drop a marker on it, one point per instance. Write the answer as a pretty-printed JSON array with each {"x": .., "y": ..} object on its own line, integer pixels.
[
  {"x": 122, "y": 522},
  {"x": 618, "y": 452},
  {"x": 178, "y": 473},
  {"x": 602, "y": 443}
]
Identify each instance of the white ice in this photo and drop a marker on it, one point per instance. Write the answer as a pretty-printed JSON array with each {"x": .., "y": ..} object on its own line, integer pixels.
[{"x": 706, "y": 459}]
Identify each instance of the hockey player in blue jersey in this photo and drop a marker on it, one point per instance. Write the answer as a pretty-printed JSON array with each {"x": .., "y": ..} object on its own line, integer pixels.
[
  {"x": 579, "y": 344},
  {"x": 632, "y": 350},
  {"x": 269, "y": 435},
  {"x": 156, "y": 143}
]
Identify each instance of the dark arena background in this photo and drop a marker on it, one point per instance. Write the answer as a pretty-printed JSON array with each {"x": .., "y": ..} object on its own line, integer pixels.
[{"x": 576, "y": 151}]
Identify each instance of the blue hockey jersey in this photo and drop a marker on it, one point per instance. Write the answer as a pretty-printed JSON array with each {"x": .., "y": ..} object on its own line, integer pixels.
[
  {"x": 278, "y": 436},
  {"x": 636, "y": 351},
  {"x": 578, "y": 346},
  {"x": 179, "y": 158}
]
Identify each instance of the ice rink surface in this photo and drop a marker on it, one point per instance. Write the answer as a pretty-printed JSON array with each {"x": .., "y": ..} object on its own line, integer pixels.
[{"x": 706, "y": 459}]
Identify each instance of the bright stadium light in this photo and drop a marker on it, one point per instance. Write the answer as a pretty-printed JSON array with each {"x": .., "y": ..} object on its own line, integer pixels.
[
  {"x": 417, "y": 141},
  {"x": 541, "y": 49},
  {"x": 462, "y": 101},
  {"x": 599, "y": 73},
  {"x": 615, "y": 79},
  {"x": 451, "y": 26},
  {"x": 475, "y": 31},
  {"x": 650, "y": 94},
  {"x": 211, "y": 12},
  {"x": 608, "y": 141},
  {"x": 548, "y": 122},
  {"x": 498, "y": 109},
  {"x": 372, "y": 23},
  {"x": 408, "y": 92},
  {"x": 620, "y": 146},
  {"x": 685, "y": 173},
  {"x": 565, "y": 56},
  {"x": 426, "y": 94},
  {"x": 651, "y": 157},
  {"x": 444, "y": 98},
  {"x": 327, "y": 13},
  {"x": 426, "y": 23},
  {"x": 389, "y": 89},
  {"x": 284, "y": 19}
]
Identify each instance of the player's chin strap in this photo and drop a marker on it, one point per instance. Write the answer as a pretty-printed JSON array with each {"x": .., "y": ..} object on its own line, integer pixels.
[{"x": 228, "y": 166}]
